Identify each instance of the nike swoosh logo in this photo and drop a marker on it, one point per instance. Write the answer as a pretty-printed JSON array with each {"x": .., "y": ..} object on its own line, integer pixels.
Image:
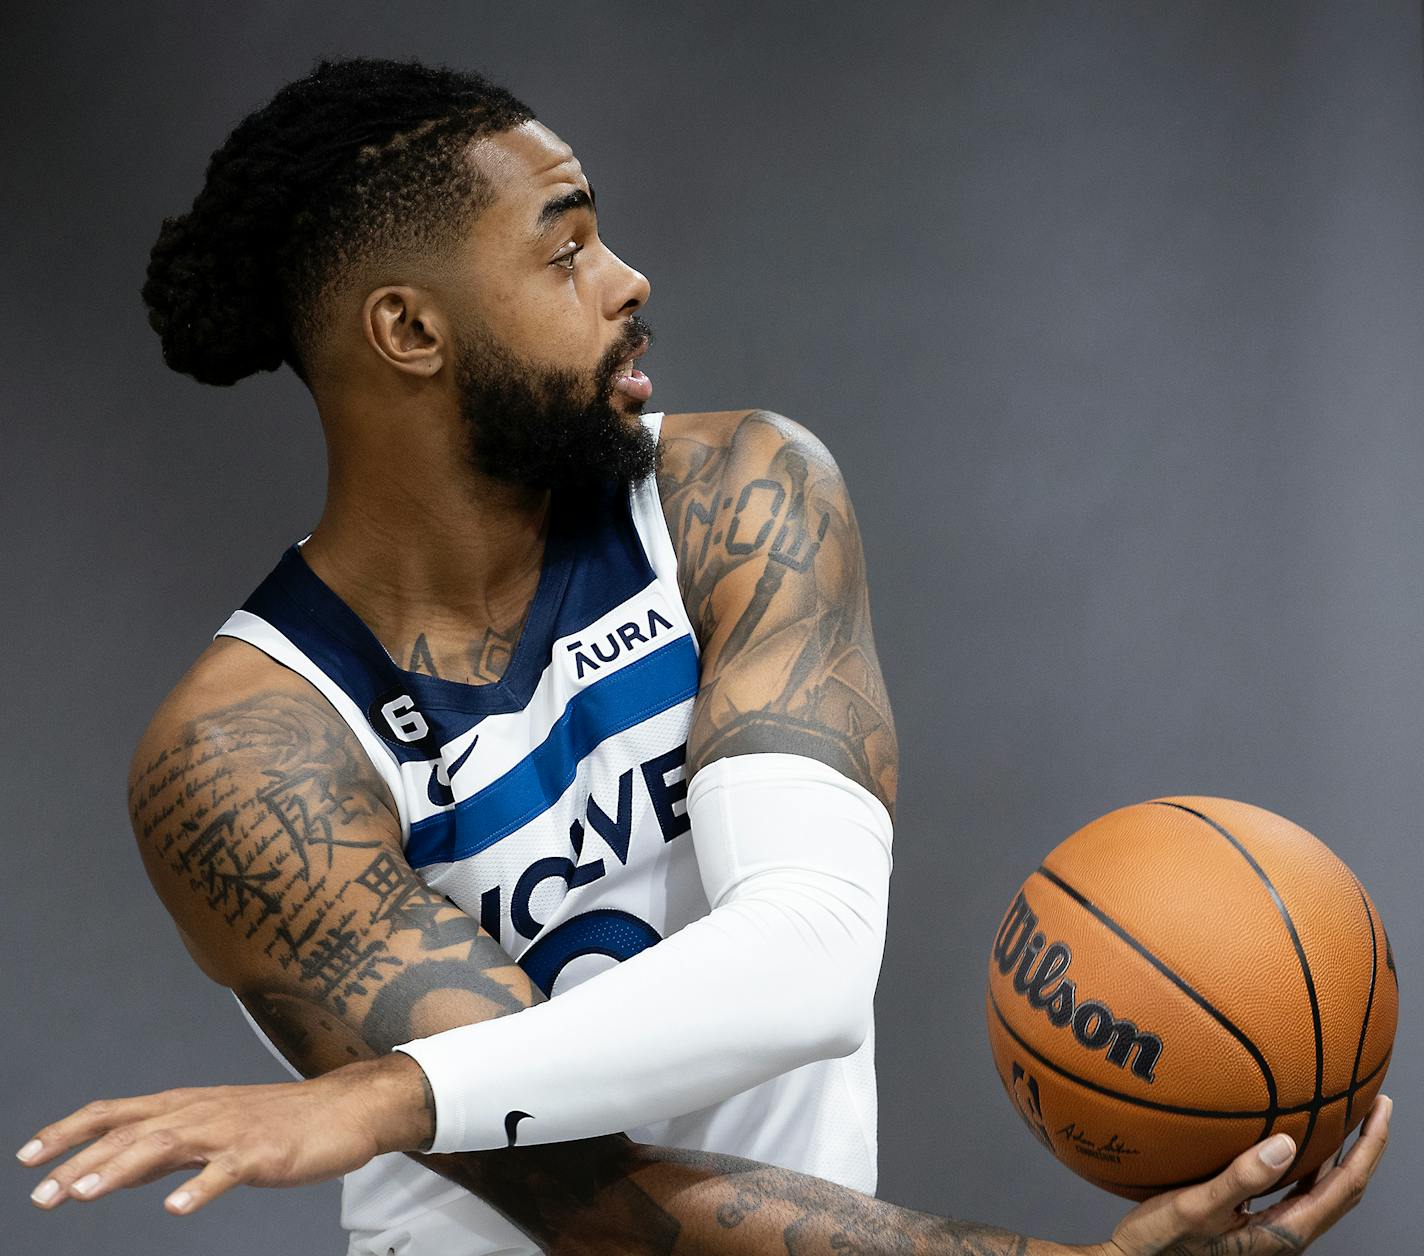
[
  {"x": 511, "y": 1125},
  {"x": 438, "y": 788}
]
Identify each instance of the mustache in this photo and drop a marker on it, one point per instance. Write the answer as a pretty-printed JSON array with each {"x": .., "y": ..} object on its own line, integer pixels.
[{"x": 634, "y": 334}]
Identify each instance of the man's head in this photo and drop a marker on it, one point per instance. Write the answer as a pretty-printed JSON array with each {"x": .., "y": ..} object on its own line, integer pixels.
[{"x": 392, "y": 226}]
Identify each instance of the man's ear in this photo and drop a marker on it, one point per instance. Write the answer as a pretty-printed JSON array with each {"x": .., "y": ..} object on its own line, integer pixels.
[{"x": 404, "y": 326}]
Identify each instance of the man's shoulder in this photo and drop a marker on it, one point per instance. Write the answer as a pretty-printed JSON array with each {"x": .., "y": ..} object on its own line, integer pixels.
[
  {"x": 727, "y": 450},
  {"x": 229, "y": 678},
  {"x": 740, "y": 487},
  {"x": 227, "y": 671},
  {"x": 748, "y": 430},
  {"x": 237, "y": 726}
]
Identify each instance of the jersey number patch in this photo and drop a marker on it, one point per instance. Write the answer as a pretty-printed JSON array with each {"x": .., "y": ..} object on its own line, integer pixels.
[{"x": 405, "y": 721}]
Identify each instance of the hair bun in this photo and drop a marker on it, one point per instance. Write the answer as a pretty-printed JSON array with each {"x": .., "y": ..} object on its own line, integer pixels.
[{"x": 212, "y": 292}]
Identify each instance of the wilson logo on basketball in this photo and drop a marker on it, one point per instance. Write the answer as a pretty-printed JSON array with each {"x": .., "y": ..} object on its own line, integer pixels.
[{"x": 1040, "y": 971}]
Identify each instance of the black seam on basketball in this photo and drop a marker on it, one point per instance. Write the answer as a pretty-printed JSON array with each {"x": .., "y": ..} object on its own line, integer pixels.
[
  {"x": 1254, "y": 1114},
  {"x": 1327, "y": 1100},
  {"x": 1174, "y": 1110},
  {"x": 1369, "y": 1003},
  {"x": 1347, "y": 1093},
  {"x": 1373, "y": 1073},
  {"x": 1154, "y": 1187},
  {"x": 1300, "y": 955},
  {"x": 1272, "y": 1099}
]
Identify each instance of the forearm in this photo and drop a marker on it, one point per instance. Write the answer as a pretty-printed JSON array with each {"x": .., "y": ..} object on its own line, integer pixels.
[
  {"x": 795, "y": 862},
  {"x": 741, "y": 996},
  {"x": 610, "y": 1195}
]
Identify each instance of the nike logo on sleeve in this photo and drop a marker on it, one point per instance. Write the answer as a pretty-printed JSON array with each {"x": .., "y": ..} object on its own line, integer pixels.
[{"x": 511, "y": 1125}]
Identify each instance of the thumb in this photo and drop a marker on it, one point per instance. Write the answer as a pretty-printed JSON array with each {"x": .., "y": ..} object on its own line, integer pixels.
[{"x": 1209, "y": 1207}]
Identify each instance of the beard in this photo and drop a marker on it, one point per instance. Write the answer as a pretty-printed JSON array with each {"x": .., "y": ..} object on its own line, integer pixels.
[{"x": 545, "y": 427}]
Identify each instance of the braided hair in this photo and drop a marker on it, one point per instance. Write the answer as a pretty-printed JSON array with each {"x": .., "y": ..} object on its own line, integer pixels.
[{"x": 362, "y": 159}]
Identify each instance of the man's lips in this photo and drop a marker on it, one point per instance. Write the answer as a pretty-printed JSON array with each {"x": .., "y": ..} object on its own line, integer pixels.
[{"x": 630, "y": 381}]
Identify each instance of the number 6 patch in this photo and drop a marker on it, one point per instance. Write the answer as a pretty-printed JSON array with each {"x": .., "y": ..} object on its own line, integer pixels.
[{"x": 406, "y": 723}]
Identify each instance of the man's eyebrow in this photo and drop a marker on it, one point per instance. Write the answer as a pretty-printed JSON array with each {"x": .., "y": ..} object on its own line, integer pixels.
[{"x": 561, "y": 205}]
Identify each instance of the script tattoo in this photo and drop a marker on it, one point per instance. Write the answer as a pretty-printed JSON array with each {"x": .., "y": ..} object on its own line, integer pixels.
[
  {"x": 773, "y": 577},
  {"x": 275, "y": 846},
  {"x": 818, "y": 1217},
  {"x": 611, "y": 1196}
]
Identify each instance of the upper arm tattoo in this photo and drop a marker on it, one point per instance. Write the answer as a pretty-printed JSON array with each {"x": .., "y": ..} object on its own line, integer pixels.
[
  {"x": 275, "y": 847},
  {"x": 773, "y": 576}
]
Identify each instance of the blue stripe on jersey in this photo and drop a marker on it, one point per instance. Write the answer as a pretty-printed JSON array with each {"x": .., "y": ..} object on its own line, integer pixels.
[
  {"x": 635, "y": 693},
  {"x": 593, "y": 561}
]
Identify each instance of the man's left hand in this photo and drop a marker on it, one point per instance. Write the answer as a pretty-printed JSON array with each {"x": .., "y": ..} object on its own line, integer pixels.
[{"x": 289, "y": 1134}]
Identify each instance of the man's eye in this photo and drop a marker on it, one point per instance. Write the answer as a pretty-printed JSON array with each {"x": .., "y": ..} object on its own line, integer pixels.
[{"x": 565, "y": 261}]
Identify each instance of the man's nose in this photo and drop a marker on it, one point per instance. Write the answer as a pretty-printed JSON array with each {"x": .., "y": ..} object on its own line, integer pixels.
[{"x": 632, "y": 287}]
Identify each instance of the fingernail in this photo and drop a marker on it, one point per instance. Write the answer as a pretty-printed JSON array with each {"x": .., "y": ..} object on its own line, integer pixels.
[
  {"x": 179, "y": 1200},
  {"x": 30, "y": 1150},
  {"x": 45, "y": 1191},
  {"x": 1278, "y": 1151},
  {"x": 1388, "y": 1108},
  {"x": 85, "y": 1184}
]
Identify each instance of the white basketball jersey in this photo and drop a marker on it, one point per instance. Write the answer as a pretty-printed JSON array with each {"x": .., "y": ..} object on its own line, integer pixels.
[{"x": 550, "y": 806}]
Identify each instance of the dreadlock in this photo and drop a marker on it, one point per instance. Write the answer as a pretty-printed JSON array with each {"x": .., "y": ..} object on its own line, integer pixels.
[{"x": 361, "y": 160}]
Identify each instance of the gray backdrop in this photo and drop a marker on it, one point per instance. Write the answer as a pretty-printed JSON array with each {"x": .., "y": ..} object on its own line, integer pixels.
[{"x": 1110, "y": 311}]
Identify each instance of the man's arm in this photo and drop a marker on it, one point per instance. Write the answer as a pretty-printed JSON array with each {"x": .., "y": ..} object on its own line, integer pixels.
[
  {"x": 773, "y": 578},
  {"x": 276, "y": 849}
]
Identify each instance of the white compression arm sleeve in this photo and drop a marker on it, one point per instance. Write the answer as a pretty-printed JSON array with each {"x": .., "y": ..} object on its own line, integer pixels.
[{"x": 795, "y": 860}]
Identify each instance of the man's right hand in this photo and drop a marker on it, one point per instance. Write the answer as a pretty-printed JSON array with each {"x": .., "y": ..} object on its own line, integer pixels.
[{"x": 1207, "y": 1220}]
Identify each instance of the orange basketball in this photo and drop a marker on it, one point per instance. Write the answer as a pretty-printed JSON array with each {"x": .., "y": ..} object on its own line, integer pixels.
[{"x": 1182, "y": 978}]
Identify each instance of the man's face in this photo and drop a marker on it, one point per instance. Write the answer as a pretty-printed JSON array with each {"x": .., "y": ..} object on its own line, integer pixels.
[{"x": 547, "y": 339}]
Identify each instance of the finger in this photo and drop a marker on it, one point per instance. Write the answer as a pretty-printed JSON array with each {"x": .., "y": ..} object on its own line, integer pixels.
[
  {"x": 152, "y": 1155},
  {"x": 1211, "y": 1207},
  {"x": 60, "y": 1183},
  {"x": 1340, "y": 1187},
  {"x": 222, "y": 1173},
  {"x": 94, "y": 1119}
]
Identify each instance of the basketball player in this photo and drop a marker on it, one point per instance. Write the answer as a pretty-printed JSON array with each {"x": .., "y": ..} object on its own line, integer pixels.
[{"x": 518, "y": 719}]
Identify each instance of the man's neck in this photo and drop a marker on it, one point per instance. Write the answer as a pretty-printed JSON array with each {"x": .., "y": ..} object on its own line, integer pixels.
[{"x": 442, "y": 569}]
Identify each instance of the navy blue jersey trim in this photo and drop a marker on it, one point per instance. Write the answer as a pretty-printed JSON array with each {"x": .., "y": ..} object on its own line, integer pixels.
[
  {"x": 611, "y": 566},
  {"x": 326, "y": 622},
  {"x": 655, "y": 683},
  {"x": 593, "y": 561}
]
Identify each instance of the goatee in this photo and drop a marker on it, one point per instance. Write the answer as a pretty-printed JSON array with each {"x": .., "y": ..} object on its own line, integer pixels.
[{"x": 547, "y": 428}]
